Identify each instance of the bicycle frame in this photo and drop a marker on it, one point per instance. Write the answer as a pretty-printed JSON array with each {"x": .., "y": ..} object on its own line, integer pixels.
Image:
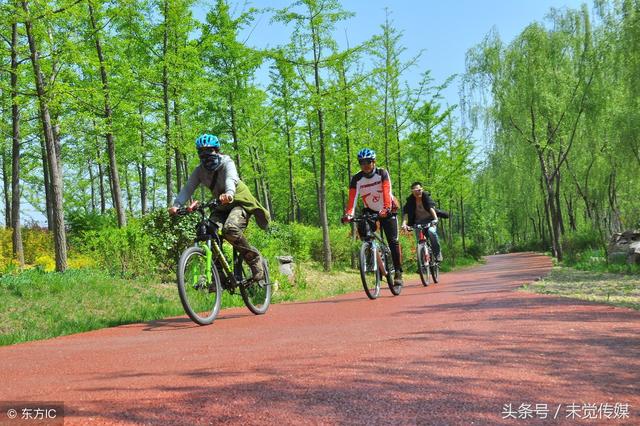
[
  {"x": 214, "y": 251},
  {"x": 371, "y": 236}
]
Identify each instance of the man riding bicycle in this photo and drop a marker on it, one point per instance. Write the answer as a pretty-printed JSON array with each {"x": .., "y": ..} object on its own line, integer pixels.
[
  {"x": 218, "y": 172},
  {"x": 419, "y": 209},
  {"x": 374, "y": 186}
]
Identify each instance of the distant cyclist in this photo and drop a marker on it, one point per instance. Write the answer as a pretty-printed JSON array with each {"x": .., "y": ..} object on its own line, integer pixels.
[
  {"x": 420, "y": 210},
  {"x": 218, "y": 173},
  {"x": 374, "y": 186}
]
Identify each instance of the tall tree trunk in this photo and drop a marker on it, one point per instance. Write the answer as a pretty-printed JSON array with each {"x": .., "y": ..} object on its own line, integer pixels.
[
  {"x": 129, "y": 191},
  {"x": 347, "y": 142},
  {"x": 92, "y": 186},
  {"x": 179, "y": 141},
  {"x": 142, "y": 167},
  {"x": 108, "y": 114},
  {"x": 559, "y": 204},
  {"x": 234, "y": 134},
  {"x": 292, "y": 191},
  {"x": 47, "y": 187},
  {"x": 464, "y": 244},
  {"x": 571, "y": 212},
  {"x": 6, "y": 183},
  {"x": 165, "y": 99},
  {"x": 153, "y": 192},
  {"x": 59, "y": 236},
  {"x": 314, "y": 165},
  {"x": 552, "y": 218},
  {"x": 324, "y": 220},
  {"x": 616, "y": 222},
  {"x": 103, "y": 200},
  {"x": 18, "y": 250}
]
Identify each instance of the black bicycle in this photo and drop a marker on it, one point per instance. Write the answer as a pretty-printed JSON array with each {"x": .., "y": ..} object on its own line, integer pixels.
[
  {"x": 375, "y": 258},
  {"x": 427, "y": 263},
  {"x": 204, "y": 272}
]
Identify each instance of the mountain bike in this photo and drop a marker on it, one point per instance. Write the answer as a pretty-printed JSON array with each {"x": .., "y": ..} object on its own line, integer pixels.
[
  {"x": 204, "y": 272},
  {"x": 375, "y": 258},
  {"x": 427, "y": 263}
]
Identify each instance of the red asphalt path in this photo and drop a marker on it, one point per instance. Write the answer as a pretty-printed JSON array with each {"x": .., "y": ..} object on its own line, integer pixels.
[{"x": 454, "y": 353}]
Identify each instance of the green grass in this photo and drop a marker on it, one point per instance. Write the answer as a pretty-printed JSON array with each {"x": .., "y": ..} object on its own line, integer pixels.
[
  {"x": 603, "y": 287},
  {"x": 38, "y": 305},
  {"x": 595, "y": 260}
]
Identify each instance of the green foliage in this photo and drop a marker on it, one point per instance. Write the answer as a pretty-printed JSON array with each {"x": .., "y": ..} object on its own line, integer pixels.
[
  {"x": 126, "y": 252},
  {"x": 579, "y": 243},
  {"x": 168, "y": 235},
  {"x": 79, "y": 221}
]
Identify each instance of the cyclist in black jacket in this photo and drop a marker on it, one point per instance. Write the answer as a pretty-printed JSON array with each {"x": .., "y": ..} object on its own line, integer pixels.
[{"x": 422, "y": 213}]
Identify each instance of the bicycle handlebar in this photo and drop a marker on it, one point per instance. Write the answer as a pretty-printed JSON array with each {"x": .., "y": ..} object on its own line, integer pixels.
[
  {"x": 371, "y": 216},
  {"x": 421, "y": 226},
  {"x": 201, "y": 207}
]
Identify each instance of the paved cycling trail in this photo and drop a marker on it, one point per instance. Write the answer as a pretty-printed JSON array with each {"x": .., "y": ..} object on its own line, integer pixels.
[{"x": 453, "y": 353}]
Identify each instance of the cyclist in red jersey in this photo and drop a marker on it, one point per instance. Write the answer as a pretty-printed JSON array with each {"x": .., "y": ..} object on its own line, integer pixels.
[{"x": 374, "y": 186}]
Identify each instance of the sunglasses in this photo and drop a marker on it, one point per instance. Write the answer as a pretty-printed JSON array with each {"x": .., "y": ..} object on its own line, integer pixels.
[{"x": 365, "y": 161}]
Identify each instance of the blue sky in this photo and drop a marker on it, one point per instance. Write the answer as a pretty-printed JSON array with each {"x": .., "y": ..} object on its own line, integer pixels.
[{"x": 444, "y": 30}]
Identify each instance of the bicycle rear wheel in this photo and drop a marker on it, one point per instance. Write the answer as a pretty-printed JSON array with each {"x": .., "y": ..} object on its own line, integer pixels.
[
  {"x": 435, "y": 271},
  {"x": 200, "y": 300},
  {"x": 256, "y": 295},
  {"x": 388, "y": 261},
  {"x": 369, "y": 271},
  {"x": 423, "y": 264}
]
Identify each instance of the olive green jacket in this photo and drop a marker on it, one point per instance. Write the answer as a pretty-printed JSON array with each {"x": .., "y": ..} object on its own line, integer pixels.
[{"x": 247, "y": 201}]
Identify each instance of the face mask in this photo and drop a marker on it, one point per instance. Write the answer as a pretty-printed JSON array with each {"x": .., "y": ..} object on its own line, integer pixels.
[{"x": 211, "y": 162}]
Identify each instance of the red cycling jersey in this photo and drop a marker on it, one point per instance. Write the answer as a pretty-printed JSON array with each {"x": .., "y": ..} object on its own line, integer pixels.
[{"x": 375, "y": 191}]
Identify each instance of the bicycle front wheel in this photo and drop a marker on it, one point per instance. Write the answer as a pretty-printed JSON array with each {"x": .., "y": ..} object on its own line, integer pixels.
[
  {"x": 369, "y": 271},
  {"x": 200, "y": 299},
  {"x": 423, "y": 264},
  {"x": 256, "y": 295}
]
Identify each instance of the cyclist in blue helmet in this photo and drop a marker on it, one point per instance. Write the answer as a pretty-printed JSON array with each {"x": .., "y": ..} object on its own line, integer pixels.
[
  {"x": 374, "y": 186},
  {"x": 218, "y": 173}
]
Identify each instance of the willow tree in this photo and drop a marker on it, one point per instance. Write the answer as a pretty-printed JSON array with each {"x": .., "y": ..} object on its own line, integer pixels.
[{"x": 540, "y": 84}]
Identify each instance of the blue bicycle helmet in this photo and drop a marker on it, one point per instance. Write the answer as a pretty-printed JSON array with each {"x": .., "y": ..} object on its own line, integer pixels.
[
  {"x": 366, "y": 154},
  {"x": 207, "y": 141}
]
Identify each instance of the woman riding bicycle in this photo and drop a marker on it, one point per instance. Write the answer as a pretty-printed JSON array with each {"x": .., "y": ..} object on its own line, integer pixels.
[
  {"x": 374, "y": 186},
  {"x": 218, "y": 172}
]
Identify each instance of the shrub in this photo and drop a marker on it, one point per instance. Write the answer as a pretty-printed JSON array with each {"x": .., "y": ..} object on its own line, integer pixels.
[
  {"x": 577, "y": 243},
  {"x": 79, "y": 221},
  {"x": 122, "y": 251},
  {"x": 168, "y": 235},
  {"x": 80, "y": 261},
  {"x": 45, "y": 263}
]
